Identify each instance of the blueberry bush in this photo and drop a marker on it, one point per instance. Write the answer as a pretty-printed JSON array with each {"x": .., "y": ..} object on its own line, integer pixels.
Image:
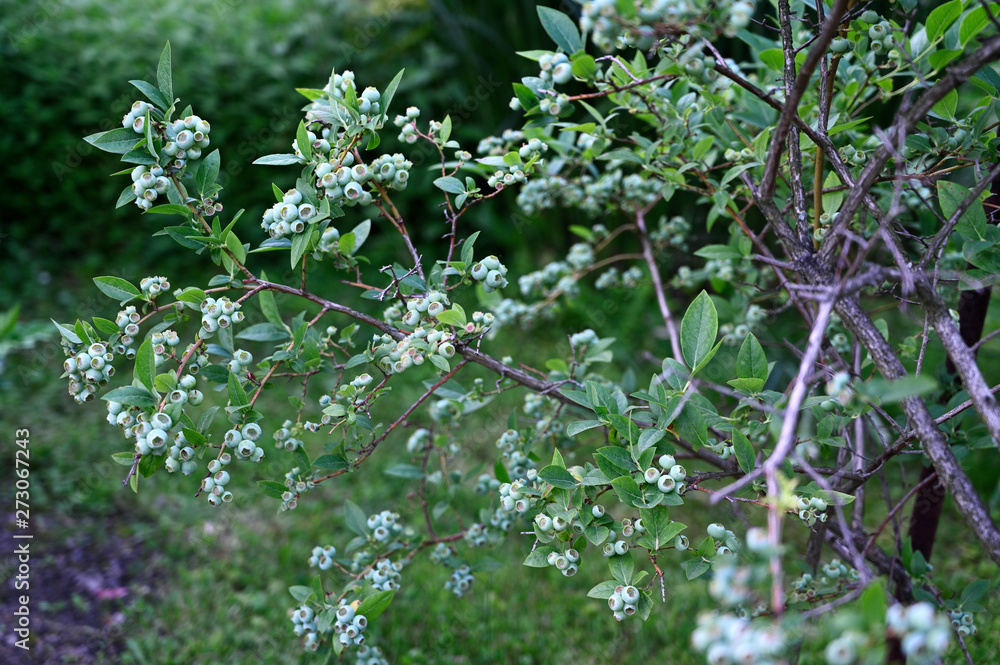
[{"x": 806, "y": 197}]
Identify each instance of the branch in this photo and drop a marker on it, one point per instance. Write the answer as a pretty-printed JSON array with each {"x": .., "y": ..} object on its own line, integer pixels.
[{"x": 791, "y": 107}]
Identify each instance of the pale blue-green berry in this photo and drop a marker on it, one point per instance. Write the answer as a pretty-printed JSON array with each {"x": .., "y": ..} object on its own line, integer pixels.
[
  {"x": 681, "y": 543},
  {"x": 651, "y": 475},
  {"x": 666, "y": 483},
  {"x": 621, "y": 547},
  {"x": 666, "y": 461},
  {"x": 597, "y": 511},
  {"x": 678, "y": 472},
  {"x": 716, "y": 531},
  {"x": 616, "y": 602},
  {"x": 562, "y": 72}
]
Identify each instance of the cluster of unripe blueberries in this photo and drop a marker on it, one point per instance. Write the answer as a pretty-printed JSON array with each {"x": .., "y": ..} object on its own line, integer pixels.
[
  {"x": 87, "y": 370},
  {"x": 395, "y": 357},
  {"x": 924, "y": 634},
  {"x": 350, "y": 626},
  {"x": 406, "y": 124},
  {"x": 217, "y": 314},
  {"x": 879, "y": 35},
  {"x": 148, "y": 183},
  {"x": 322, "y": 557},
  {"x": 490, "y": 273},
  {"x": 566, "y": 562},
  {"x": 384, "y": 525},
  {"x": 460, "y": 581},
  {"x": 186, "y": 139},
  {"x": 283, "y": 437},
  {"x": 385, "y": 575},
  {"x": 624, "y": 602},
  {"x": 289, "y": 216},
  {"x": 727, "y": 639},
  {"x": 669, "y": 477}
]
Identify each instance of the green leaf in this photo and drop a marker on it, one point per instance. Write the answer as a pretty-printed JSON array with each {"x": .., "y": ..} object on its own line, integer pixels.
[
  {"x": 468, "y": 248},
  {"x": 354, "y": 519},
  {"x": 131, "y": 396},
  {"x": 973, "y": 222},
  {"x": 450, "y": 185},
  {"x": 628, "y": 491},
  {"x": 699, "y": 329},
  {"x": 751, "y": 363},
  {"x": 375, "y": 604},
  {"x": 718, "y": 252},
  {"x": 145, "y": 364},
  {"x": 410, "y": 471},
  {"x": 974, "y": 591},
  {"x": 557, "y": 477},
  {"x": 843, "y": 127},
  {"x": 745, "y": 454},
  {"x": 125, "y": 459},
  {"x": 152, "y": 94},
  {"x": 104, "y": 326},
  {"x": 579, "y": 426},
  {"x": 538, "y": 558},
  {"x": 696, "y": 568},
  {"x": 278, "y": 160},
  {"x": 264, "y": 332},
  {"x": 604, "y": 590},
  {"x": 452, "y": 317},
  {"x": 691, "y": 426},
  {"x": 941, "y": 18},
  {"x": 889, "y": 392},
  {"x": 445, "y": 133},
  {"x": 561, "y": 29},
  {"x": 622, "y": 567},
  {"x": 68, "y": 334},
  {"x": 947, "y": 106},
  {"x": 390, "y": 92},
  {"x": 972, "y": 25},
  {"x": 301, "y": 243},
  {"x": 268, "y": 306},
  {"x": 116, "y": 288},
  {"x": 237, "y": 395},
  {"x": 164, "y": 79},
  {"x": 235, "y": 247},
  {"x": 302, "y": 142},
  {"x": 208, "y": 172},
  {"x": 660, "y": 531},
  {"x": 271, "y": 488},
  {"x": 117, "y": 141},
  {"x": 873, "y": 603},
  {"x": 331, "y": 462},
  {"x": 170, "y": 209}
]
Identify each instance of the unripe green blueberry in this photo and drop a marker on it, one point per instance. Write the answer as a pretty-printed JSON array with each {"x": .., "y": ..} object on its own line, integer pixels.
[
  {"x": 681, "y": 543},
  {"x": 616, "y": 602},
  {"x": 870, "y": 17},
  {"x": 716, "y": 531},
  {"x": 479, "y": 272},
  {"x": 666, "y": 461},
  {"x": 651, "y": 475},
  {"x": 666, "y": 483},
  {"x": 597, "y": 511},
  {"x": 678, "y": 472},
  {"x": 562, "y": 72},
  {"x": 840, "y": 45},
  {"x": 621, "y": 547}
]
